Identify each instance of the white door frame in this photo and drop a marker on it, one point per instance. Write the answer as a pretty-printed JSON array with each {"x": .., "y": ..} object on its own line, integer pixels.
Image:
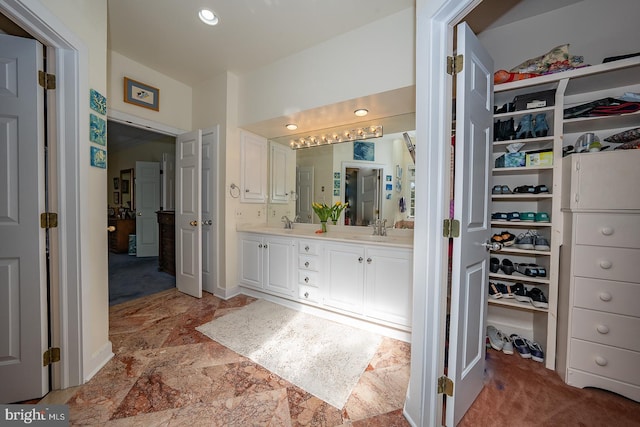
[{"x": 435, "y": 20}]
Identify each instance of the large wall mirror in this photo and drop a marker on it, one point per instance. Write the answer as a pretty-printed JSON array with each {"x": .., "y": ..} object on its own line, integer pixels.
[{"x": 375, "y": 176}]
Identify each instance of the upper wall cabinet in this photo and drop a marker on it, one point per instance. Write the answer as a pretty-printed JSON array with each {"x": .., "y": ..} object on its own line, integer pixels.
[
  {"x": 253, "y": 168},
  {"x": 279, "y": 173}
]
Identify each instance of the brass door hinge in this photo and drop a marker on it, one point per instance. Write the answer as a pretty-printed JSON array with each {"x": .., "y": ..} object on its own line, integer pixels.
[
  {"x": 51, "y": 355},
  {"x": 451, "y": 228},
  {"x": 47, "y": 81},
  {"x": 454, "y": 64},
  {"x": 48, "y": 220},
  {"x": 445, "y": 386}
]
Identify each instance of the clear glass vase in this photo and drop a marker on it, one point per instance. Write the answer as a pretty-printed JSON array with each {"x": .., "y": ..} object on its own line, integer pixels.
[{"x": 324, "y": 226}]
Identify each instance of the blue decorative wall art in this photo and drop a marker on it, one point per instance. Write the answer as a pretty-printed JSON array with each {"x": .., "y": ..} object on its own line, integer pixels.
[
  {"x": 97, "y": 130},
  {"x": 364, "y": 151},
  {"x": 97, "y": 102},
  {"x": 98, "y": 157}
]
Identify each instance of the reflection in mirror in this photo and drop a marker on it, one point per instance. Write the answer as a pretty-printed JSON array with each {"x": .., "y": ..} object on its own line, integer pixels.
[
  {"x": 377, "y": 185},
  {"x": 126, "y": 189}
]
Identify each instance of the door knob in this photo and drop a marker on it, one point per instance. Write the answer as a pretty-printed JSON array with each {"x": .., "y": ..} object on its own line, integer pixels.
[
  {"x": 139, "y": 213},
  {"x": 111, "y": 228},
  {"x": 193, "y": 223},
  {"x": 492, "y": 246},
  {"x": 207, "y": 222}
]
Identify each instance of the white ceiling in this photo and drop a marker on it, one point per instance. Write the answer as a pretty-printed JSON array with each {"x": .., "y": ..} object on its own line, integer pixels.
[{"x": 166, "y": 35}]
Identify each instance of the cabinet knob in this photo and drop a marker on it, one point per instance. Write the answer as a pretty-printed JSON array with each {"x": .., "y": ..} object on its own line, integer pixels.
[
  {"x": 246, "y": 190},
  {"x": 605, "y": 296},
  {"x": 306, "y": 264},
  {"x": 264, "y": 246},
  {"x": 605, "y": 264},
  {"x": 306, "y": 294},
  {"x": 607, "y": 231},
  {"x": 601, "y": 361},
  {"x": 260, "y": 245},
  {"x": 603, "y": 329},
  {"x": 360, "y": 259},
  {"x": 369, "y": 260},
  {"x": 306, "y": 248},
  {"x": 306, "y": 280},
  {"x": 139, "y": 213}
]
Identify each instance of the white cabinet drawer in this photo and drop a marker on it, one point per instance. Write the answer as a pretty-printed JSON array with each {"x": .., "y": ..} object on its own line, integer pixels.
[
  {"x": 308, "y": 277},
  {"x": 609, "y": 296},
  {"x": 308, "y": 293},
  {"x": 308, "y": 247},
  {"x": 607, "y": 263},
  {"x": 618, "y": 230},
  {"x": 310, "y": 262},
  {"x": 610, "y": 362},
  {"x": 606, "y": 328}
]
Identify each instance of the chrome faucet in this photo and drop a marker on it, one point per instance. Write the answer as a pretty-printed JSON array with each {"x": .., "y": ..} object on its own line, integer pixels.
[
  {"x": 287, "y": 222},
  {"x": 380, "y": 227}
]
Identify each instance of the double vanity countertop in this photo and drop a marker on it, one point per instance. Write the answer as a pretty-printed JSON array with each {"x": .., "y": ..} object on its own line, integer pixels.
[{"x": 398, "y": 238}]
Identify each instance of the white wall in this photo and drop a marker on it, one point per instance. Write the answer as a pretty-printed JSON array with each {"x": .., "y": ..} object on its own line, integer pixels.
[
  {"x": 369, "y": 60},
  {"x": 175, "y": 97},
  {"x": 594, "y": 29},
  {"x": 88, "y": 21}
]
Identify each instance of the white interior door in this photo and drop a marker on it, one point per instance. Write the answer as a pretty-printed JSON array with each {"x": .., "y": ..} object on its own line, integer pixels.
[
  {"x": 369, "y": 185},
  {"x": 304, "y": 180},
  {"x": 474, "y": 107},
  {"x": 168, "y": 180},
  {"x": 188, "y": 213},
  {"x": 23, "y": 294},
  {"x": 210, "y": 206},
  {"x": 147, "y": 191}
]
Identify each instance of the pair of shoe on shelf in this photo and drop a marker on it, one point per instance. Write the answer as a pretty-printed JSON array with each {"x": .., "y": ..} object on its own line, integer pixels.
[
  {"x": 508, "y": 267},
  {"x": 505, "y": 238},
  {"x": 532, "y": 241},
  {"x": 528, "y": 127},
  {"x": 531, "y": 189},
  {"x": 526, "y": 349},
  {"x": 520, "y": 216},
  {"x": 519, "y": 292}
]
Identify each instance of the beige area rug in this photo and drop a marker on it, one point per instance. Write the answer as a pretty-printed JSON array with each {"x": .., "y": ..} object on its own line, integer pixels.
[{"x": 322, "y": 357}]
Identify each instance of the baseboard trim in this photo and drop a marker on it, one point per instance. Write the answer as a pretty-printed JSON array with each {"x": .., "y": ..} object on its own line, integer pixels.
[{"x": 98, "y": 360}]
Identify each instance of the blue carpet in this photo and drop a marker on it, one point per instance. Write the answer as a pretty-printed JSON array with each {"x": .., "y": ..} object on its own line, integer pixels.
[{"x": 131, "y": 277}]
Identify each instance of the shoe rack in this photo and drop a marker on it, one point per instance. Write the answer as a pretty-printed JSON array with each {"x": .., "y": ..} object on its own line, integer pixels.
[{"x": 571, "y": 88}]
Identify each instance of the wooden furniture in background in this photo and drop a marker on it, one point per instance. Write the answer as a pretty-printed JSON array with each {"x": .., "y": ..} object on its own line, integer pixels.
[
  {"x": 119, "y": 238},
  {"x": 167, "y": 255}
]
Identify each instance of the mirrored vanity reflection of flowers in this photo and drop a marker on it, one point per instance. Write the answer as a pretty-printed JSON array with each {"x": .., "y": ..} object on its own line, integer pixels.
[{"x": 326, "y": 212}]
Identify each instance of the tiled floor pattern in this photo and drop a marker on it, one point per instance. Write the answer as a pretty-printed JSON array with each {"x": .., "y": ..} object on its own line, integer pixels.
[{"x": 165, "y": 373}]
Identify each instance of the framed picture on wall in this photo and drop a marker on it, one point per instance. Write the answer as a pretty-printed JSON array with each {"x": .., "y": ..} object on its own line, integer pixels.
[
  {"x": 125, "y": 186},
  {"x": 116, "y": 183},
  {"x": 116, "y": 197},
  {"x": 141, "y": 94}
]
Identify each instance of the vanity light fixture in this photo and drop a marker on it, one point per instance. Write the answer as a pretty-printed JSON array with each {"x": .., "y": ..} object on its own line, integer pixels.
[
  {"x": 291, "y": 126},
  {"x": 208, "y": 17},
  {"x": 359, "y": 134},
  {"x": 361, "y": 112}
]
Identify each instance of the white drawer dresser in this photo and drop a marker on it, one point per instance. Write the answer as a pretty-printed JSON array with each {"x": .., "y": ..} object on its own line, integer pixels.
[{"x": 599, "y": 290}]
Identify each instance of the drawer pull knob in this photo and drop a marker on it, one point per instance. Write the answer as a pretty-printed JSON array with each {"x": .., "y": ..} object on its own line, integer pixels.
[
  {"x": 605, "y": 296},
  {"x": 306, "y": 264},
  {"x": 601, "y": 361},
  {"x": 306, "y": 280},
  {"x": 603, "y": 329},
  {"x": 605, "y": 264},
  {"x": 369, "y": 260},
  {"x": 607, "y": 231},
  {"x": 360, "y": 259},
  {"x": 306, "y": 294},
  {"x": 306, "y": 248}
]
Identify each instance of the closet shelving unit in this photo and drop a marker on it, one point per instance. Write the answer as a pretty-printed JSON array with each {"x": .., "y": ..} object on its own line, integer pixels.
[{"x": 572, "y": 88}]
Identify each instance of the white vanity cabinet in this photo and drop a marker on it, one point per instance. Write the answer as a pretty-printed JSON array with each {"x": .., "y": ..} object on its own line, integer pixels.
[
  {"x": 279, "y": 183},
  {"x": 344, "y": 277},
  {"x": 253, "y": 168},
  {"x": 266, "y": 263},
  {"x": 372, "y": 281}
]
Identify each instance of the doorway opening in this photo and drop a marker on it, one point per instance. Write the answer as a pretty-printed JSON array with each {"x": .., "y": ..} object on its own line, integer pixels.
[
  {"x": 140, "y": 201},
  {"x": 362, "y": 190}
]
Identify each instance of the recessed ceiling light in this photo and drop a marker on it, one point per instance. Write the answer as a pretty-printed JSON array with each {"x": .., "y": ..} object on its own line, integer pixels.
[
  {"x": 208, "y": 17},
  {"x": 361, "y": 112},
  {"x": 291, "y": 126}
]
